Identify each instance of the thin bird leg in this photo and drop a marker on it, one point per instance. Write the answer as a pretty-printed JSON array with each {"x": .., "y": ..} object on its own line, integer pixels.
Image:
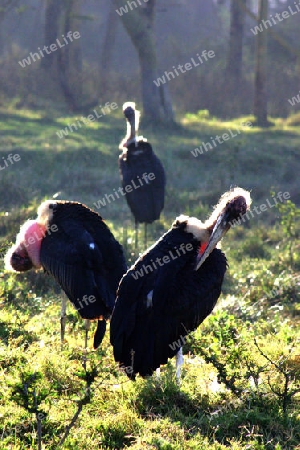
[
  {"x": 179, "y": 364},
  {"x": 87, "y": 324},
  {"x": 63, "y": 320},
  {"x": 136, "y": 235},
  {"x": 145, "y": 237},
  {"x": 125, "y": 237}
]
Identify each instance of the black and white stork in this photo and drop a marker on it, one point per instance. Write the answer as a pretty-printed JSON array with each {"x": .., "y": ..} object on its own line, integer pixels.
[
  {"x": 74, "y": 245},
  {"x": 172, "y": 288},
  {"x": 142, "y": 174}
]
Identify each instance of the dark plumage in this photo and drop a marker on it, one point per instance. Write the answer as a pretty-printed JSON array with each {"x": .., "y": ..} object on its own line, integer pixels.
[
  {"x": 146, "y": 200},
  {"x": 163, "y": 297},
  {"x": 74, "y": 245}
]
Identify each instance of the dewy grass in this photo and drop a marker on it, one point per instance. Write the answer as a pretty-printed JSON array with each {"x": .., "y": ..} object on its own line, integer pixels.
[{"x": 249, "y": 345}]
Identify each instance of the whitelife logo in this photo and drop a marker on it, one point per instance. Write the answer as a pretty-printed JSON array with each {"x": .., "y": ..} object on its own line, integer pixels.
[
  {"x": 9, "y": 160},
  {"x": 279, "y": 17},
  {"x": 183, "y": 68},
  {"x": 171, "y": 256},
  {"x": 132, "y": 4},
  {"x": 33, "y": 57},
  {"x": 87, "y": 120},
  {"x": 294, "y": 100},
  {"x": 282, "y": 196},
  {"x": 86, "y": 300},
  {"x": 206, "y": 146},
  {"x": 147, "y": 177},
  {"x": 34, "y": 238}
]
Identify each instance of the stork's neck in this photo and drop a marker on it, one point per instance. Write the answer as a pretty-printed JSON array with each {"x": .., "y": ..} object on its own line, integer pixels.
[
  {"x": 131, "y": 140},
  {"x": 131, "y": 129}
]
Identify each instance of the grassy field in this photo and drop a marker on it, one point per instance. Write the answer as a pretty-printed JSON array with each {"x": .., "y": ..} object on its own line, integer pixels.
[{"x": 240, "y": 385}]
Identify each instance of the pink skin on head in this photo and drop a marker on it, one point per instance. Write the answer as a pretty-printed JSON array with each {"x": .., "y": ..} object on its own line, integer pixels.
[
  {"x": 28, "y": 243},
  {"x": 33, "y": 237}
]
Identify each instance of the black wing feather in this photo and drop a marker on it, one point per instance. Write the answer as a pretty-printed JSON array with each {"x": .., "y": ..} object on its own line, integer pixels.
[
  {"x": 85, "y": 259},
  {"x": 182, "y": 298},
  {"x": 146, "y": 200},
  {"x": 79, "y": 270}
]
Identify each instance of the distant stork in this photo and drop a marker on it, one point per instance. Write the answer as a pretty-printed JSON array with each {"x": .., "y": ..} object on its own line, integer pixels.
[
  {"x": 74, "y": 245},
  {"x": 172, "y": 288},
  {"x": 142, "y": 174}
]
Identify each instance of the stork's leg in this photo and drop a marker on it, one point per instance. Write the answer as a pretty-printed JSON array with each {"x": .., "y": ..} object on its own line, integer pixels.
[
  {"x": 179, "y": 363},
  {"x": 125, "y": 236},
  {"x": 87, "y": 324},
  {"x": 136, "y": 235},
  {"x": 63, "y": 320},
  {"x": 145, "y": 237}
]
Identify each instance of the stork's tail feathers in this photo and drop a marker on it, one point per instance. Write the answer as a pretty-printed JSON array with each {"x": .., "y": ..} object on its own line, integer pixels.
[{"x": 99, "y": 334}]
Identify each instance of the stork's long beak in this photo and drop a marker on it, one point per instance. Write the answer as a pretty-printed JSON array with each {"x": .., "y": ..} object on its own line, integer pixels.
[{"x": 220, "y": 229}]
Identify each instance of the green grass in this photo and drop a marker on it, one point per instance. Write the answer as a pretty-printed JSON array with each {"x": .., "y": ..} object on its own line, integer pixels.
[{"x": 240, "y": 383}]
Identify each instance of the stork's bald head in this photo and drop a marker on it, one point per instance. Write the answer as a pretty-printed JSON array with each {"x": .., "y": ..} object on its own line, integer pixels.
[
  {"x": 25, "y": 253},
  {"x": 133, "y": 120},
  {"x": 232, "y": 206},
  {"x": 129, "y": 111}
]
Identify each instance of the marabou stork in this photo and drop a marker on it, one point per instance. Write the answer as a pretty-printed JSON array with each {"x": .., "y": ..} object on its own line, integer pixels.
[
  {"x": 172, "y": 288},
  {"x": 74, "y": 245},
  {"x": 142, "y": 174}
]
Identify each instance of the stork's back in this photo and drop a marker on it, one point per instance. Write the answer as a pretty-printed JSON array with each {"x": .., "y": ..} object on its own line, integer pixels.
[{"x": 146, "y": 198}]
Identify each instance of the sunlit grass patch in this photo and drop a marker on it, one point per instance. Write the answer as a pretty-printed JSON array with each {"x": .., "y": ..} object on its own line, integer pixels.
[{"x": 232, "y": 393}]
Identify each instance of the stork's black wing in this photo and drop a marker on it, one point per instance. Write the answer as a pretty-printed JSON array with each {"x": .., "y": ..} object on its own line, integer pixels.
[
  {"x": 146, "y": 199},
  {"x": 84, "y": 258},
  {"x": 146, "y": 332},
  {"x": 77, "y": 265}
]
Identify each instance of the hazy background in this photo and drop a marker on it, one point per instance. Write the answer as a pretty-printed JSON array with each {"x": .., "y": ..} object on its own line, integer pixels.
[{"x": 183, "y": 28}]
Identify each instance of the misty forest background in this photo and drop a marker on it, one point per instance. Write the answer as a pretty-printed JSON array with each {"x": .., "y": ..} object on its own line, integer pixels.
[
  {"x": 240, "y": 384},
  {"x": 104, "y": 64}
]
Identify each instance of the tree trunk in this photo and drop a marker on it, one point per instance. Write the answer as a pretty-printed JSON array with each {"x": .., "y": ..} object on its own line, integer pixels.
[
  {"x": 139, "y": 24},
  {"x": 65, "y": 64},
  {"x": 52, "y": 30},
  {"x": 5, "y": 6},
  {"x": 70, "y": 58},
  {"x": 235, "y": 54},
  {"x": 109, "y": 43},
  {"x": 260, "y": 95}
]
